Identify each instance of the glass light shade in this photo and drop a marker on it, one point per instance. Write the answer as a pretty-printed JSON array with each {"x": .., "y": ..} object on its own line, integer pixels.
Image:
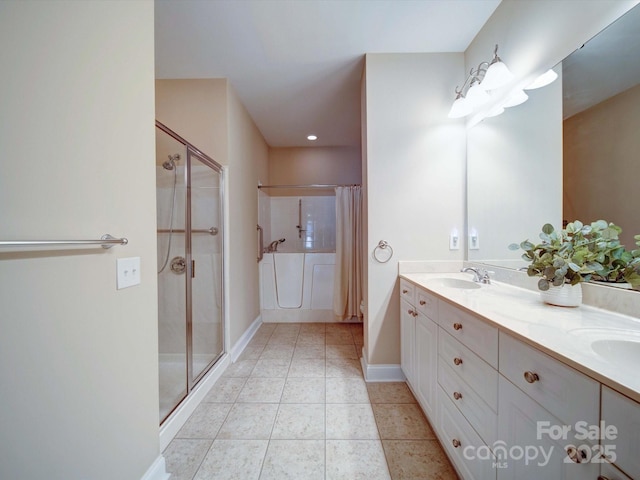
[
  {"x": 460, "y": 108},
  {"x": 477, "y": 96},
  {"x": 543, "y": 80},
  {"x": 516, "y": 98},
  {"x": 497, "y": 76},
  {"x": 495, "y": 111}
]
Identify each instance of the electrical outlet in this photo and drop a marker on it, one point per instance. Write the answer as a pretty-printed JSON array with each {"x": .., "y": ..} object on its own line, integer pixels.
[
  {"x": 128, "y": 272},
  {"x": 454, "y": 242}
]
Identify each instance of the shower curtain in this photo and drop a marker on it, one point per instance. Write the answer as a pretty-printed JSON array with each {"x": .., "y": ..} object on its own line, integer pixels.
[{"x": 347, "y": 286}]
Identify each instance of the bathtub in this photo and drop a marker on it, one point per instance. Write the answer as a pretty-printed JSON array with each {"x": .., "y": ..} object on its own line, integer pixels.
[{"x": 297, "y": 287}]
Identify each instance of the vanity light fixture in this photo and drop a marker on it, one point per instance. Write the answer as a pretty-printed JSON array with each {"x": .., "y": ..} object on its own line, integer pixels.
[
  {"x": 488, "y": 76},
  {"x": 312, "y": 138},
  {"x": 543, "y": 80},
  {"x": 516, "y": 98}
]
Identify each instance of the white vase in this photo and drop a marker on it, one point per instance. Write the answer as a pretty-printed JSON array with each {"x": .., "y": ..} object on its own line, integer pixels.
[{"x": 565, "y": 295}]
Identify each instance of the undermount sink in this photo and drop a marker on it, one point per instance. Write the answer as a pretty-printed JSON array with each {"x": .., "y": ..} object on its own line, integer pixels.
[
  {"x": 452, "y": 283},
  {"x": 623, "y": 351}
]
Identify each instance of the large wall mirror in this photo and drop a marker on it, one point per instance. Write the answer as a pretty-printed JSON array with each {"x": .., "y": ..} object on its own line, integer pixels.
[{"x": 572, "y": 151}]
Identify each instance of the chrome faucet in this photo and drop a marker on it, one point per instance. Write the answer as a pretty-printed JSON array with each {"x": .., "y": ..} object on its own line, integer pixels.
[
  {"x": 273, "y": 246},
  {"x": 480, "y": 275}
]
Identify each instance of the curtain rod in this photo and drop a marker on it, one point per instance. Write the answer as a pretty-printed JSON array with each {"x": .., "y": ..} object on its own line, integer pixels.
[{"x": 313, "y": 185}]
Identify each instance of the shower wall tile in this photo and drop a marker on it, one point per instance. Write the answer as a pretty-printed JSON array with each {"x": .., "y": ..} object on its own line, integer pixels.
[{"x": 318, "y": 219}]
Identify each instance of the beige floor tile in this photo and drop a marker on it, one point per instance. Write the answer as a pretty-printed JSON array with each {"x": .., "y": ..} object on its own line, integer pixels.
[
  {"x": 241, "y": 368},
  {"x": 267, "y": 328},
  {"x": 297, "y": 421},
  {"x": 272, "y": 368},
  {"x": 346, "y": 390},
  {"x": 343, "y": 367},
  {"x": 205, "y": 421},
  {"x": 312, "y": 338},
  {"x": 312, "y": 328},
  {"x": 342, "y": 351},
  {"x": 249, "y": 421},
  {"x": 294, "y": 460},
  {"x": 261, "y": 390},
  {"x": 283, "y": 339},
  {"x": 417, "y": 460},
  {"x": 351, "y": 421},
  {"x": 251, "y": 353},
  {"x": 233, "y": 460},
  {"x": 304, "y": 390},
  {"x": 390, "y": 392},
  {"x": 339, "y": 338},
  {"x": 225, "y": 390},
  {"x": 402, "y": 422},
  {"x": 309, "y": 351},
  {"x": 307, "y": 367},
  {"x": 277, "y": 351},
  {"x": 184, "y": 456},
  {"x": 355, "y": 460}
]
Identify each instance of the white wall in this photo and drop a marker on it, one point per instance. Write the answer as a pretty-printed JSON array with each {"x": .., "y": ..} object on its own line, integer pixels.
[
  {"x": 414, "y": 178},
  {"x": 78, "y": 358}
]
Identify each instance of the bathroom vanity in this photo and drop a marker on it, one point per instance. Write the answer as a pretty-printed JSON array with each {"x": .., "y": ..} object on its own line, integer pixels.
[{"x": 517, "y": 389}]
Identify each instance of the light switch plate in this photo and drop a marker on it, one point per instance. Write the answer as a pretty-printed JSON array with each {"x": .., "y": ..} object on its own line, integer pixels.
[
  {"x": 128, "y": 272},
  {"x": 474, "y": 242}
]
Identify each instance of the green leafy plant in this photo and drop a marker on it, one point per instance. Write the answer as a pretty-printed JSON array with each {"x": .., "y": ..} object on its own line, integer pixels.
[{"x": 580, "y": 253}]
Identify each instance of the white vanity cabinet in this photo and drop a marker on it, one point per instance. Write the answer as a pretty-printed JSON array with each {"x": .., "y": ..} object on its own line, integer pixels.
[
  {"x": 624, "y": 414},
  {"x": 538, "y": 397}
]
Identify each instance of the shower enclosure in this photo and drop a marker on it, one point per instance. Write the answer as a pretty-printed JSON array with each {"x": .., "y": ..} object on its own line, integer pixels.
[{"x": 190, "y": 259}]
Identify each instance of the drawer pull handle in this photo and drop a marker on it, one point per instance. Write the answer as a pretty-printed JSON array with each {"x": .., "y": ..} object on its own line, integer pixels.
[
  {"x": 422, "y": 302},
  {"x": 457, "y": 326},
  {"x": 456, "y": 443},
  {"x": 531, "y": 377},
  {"x": 457, "y": 395},
  {"x": 576, "y": 456},
  {"x": 457, "y": 361},
  {"x": 405, "y": 291}
]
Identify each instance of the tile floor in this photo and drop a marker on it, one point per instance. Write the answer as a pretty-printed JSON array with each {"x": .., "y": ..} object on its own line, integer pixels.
[{"x": 295, "y": 406}]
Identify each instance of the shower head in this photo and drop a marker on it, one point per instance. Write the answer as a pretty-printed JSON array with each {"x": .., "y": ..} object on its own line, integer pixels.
[{"x": 171, "y": 163}]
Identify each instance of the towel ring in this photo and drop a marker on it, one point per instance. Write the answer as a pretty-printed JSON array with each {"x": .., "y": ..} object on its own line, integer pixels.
[{"x": 382, "y": 245}]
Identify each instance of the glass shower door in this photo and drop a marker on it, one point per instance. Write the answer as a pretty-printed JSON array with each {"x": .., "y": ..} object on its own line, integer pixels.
[{"x": 205, "y": 242}]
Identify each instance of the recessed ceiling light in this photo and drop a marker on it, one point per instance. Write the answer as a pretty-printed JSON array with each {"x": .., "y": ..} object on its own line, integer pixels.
[{"x": 312, "y": 137}]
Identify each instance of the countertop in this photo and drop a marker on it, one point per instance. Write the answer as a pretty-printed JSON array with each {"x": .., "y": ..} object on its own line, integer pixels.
[{"x": 565, "y": 333}]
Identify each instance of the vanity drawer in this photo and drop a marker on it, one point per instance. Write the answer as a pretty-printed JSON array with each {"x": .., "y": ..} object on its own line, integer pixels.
[
  {"x": 461, "y": 442},
  {"x": 426, "y": 303},
  {"x": 475, "y": 410},
  {"x": 479, "y": 336},
  {"x": 562, "y": 391},
  {"x": 624, "y": 414},
  {"x": 407, "y": 291},
  {"x": 480, "y": 376}
]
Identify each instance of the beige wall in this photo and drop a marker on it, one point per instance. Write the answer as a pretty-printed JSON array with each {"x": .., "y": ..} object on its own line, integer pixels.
[
  {"x": 208, "y": 113},
  {"x": 601, "y": 148},
  {"x": 414, "y": 178},
  {"x": 313, "y": 165},
  {"x": 78, "y": 358}
]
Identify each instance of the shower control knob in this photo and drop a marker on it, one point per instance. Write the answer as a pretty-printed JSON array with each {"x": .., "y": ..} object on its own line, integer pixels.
[{"x": 178, "y": 265}]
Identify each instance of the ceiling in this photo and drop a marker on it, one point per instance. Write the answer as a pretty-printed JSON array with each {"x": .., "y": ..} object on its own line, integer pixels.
[{"x": 297, "y": 64}]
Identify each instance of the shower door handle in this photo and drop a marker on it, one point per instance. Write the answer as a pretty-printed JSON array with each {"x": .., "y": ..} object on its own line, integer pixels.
[
  {"x": 299, "y": 226},
  {"x": 193, "y": 269}
]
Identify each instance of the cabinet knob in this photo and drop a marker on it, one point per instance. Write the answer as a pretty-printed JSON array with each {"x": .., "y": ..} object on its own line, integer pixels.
[
  {"x": 531, "y": 377},
  {"x": 404, "y": 291},
  {"x": 576, "y": 456},
  {"x": 456, "y": 443},
  {"x": 457, "y": 395},
  {"x": 457, "y": 361},
  {"x": 422, "y": 302},
  {"x": 457, "y": 326},
  {"x": 410, "y": 312}
]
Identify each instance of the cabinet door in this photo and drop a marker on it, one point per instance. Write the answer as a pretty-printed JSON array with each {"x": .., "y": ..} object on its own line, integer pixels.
[
  {"x": 407, "y": 339},
  {"x": 622, "y": 414},
  {"x": 426, "y": 364},
  {"x": 527, "y": 451}
]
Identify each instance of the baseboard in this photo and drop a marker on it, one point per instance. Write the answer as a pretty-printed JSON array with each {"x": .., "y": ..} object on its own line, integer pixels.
[
  {"x": 179, "y": 417},
  {"x": 381, "y": 373},
  {"x": 244, "y": 340},
  {"x": 157, "y": 470}
]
